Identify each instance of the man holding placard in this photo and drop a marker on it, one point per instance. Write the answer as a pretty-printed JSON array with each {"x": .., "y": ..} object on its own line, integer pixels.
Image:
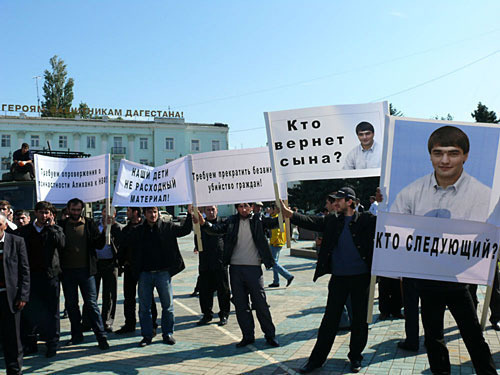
[
  {"x": 245, "y": 249},
  {"x": 448, "y": 192},
  {"x": 346, "y": 253}
]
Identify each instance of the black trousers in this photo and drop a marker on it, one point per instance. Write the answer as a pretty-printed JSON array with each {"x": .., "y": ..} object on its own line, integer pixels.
[
  {"x": 410, "y": 303},
  {"x": 211, "y": 281},
  {"x": 129, "y": 302},
  {"x": 459, "y": 302},
  {"x": 10, "y": 331},
  {"x": 495, "y": 297},
  {"x": 338, "y": 289},
  {"x": 248, "y": 281},
  {"x": 107, "y": 272},
  {"x": 41, "y": 313},
  {"x": 389, "y": 296}
]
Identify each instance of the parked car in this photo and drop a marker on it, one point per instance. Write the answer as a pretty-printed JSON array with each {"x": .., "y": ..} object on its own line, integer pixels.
[
  {"x": 181, "y": 215},
  {"x": 165, "y": 216}
]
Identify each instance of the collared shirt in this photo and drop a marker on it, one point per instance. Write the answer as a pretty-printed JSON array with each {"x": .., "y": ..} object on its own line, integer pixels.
[
  {"x": 373, "y": 208},
  {"x": 359, "y": 158},
  {"x": 37, "y": 228},
  {"x": 466, "y": 199},
  {"x": 106, "y": 252},
  {"x": 11, "y": 225}
]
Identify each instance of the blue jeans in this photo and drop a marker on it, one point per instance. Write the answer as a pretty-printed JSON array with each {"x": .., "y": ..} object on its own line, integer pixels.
[
  {"x": 277, "y": 268},
  {"x": 72, "y": 279},
  {"x": 147, "y": 282}
]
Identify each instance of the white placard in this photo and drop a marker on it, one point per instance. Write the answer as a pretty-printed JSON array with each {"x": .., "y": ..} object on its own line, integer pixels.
[
  {"x": 60, "y": 179},
  {"x": 435, "y": 249},
  {"x": 145, "y": 186},
  {"x": 233, "y": 176},
  {"x": 322, "y": 143}
]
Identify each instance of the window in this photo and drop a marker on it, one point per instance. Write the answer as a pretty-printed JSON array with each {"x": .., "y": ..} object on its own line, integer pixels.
[
  {"x": 35, "y": 141},
  {"x": 5, "y": 140},
  {"x": 195, "y": 145},
  {"x": 63, "y": 141},
  {"x": 169, "y": 143},
  {"x": 215, "y": 145},
  {"x": 116, "y": 167},
  {"x": 117, "y": 141},
  {"x": 143, "y": 143},
  {"x": 144, "y": 161},
  {"x": 91, "y": 141}
]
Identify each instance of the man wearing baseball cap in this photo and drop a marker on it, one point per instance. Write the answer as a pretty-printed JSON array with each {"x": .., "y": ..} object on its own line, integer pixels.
[{"x": 346, "y": 253}]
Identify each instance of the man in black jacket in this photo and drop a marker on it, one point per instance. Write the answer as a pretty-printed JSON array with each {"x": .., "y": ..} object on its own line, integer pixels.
[
  {"x": 79, "y": 265},
  {"x": 14, "y": 293},
  {"x": 213, "y": 273},
  {"x": 346, "y": 253},
  {"x": 245, "y": 249},
  {"x": 44, "y": 241},
  {"x": 156, "y": 259}
]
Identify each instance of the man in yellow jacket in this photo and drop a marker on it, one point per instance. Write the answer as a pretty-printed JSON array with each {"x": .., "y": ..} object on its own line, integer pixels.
[{"x": 278, "y": 239}]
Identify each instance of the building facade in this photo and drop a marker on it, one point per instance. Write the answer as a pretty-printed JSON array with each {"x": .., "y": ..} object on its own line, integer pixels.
[{"x": 147, "y": 142}]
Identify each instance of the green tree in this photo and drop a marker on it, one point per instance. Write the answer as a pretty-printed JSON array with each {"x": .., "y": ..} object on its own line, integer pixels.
[
  {"x": 482, "y": 114},
  {"x": 447, "y": 118},
  {"x": 393, "y": 111},
  {"x": 84, "y": 110},
  {"x": 58, "y": 90}
]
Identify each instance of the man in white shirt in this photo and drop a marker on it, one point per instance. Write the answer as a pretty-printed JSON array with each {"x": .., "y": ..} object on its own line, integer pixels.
[
  {"x": 369, "y": 153},
  {"x": 373, "y": 206}
]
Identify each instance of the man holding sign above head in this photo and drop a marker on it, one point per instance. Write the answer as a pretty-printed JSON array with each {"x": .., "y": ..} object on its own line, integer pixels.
[
  {"x": 156, "y": 259},
  {"x": 448, "y": 192},
  {"x": 346, "y": 253},
  {"x": 245, "y": 249},
  {"x": 368, "y": 153}
]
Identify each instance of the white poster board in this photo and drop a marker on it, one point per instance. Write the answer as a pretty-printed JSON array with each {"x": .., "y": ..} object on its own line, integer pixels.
[
  {"x": 435, "y": 248},
  {"x": 322, "y": 142},
  {"x": 233, "y": 176},
  {"x": 145, "y": 186},
  {"x": 60, "y": 179}
]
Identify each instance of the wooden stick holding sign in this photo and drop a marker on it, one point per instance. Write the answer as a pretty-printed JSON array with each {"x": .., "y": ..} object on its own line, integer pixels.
[
  {"x": 278, "y": 204},
  {"x": 197, "y": 229},
  {"x": 371, "y": 297},
  {"x": 287, "y": 228}
]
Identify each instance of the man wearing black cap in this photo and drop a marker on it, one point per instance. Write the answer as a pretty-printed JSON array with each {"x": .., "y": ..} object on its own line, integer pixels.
[{"x": 346, "y": 253}]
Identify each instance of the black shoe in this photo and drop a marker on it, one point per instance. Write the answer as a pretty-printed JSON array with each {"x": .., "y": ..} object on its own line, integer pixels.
[
  {"x": 405, "y": 346},
  {"x": 108, "y": 329},
  {"x": 223, "y": 321},
  {"x": 74, "y": 341},
  {"x": 204, "y": 321},
  {"x": 103, "y": 343},
  {"x": 272, "y": 341},
  {"x": 169, "y": 339},
  {"x": 308, "y": 367},
  {"x": 398, "y": 316},
  {"x": 355, "y": 366},
  {"x": 51, "y": 352},
  {"x": 495, "y": 326},
  {"x": 274, "y": 285},
  {"x": 145, "y": 341},
  {"x": 289, "y": 281},
  {"x": 244, "y": 342},
  {"x": 30, "y": 349},
  {"x": 194, "y": 294},
  {"x": 383, "y": 316},
  {"x": 125, "y": 329}
]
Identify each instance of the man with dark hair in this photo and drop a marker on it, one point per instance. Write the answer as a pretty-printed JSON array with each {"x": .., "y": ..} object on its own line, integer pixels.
[
  {"x": 156, "y": 259},
  {"x": 369, "y": 153},
  {"x": 346, "y": 253},
  {"x": 14, "y": 293},
  {"x": 5, "y": 209},
  {"x": 245, "y": 249},
  {"x": 125, "y": 261},
  {"x": 22, "y": 161},
  {"x": 21, "y": 218},
  {"x": 79, "y": 265},
  {"x": 449, "y": 191},
  {"x": 44, "y": 242},
  {"x": 213, "y": 272}
]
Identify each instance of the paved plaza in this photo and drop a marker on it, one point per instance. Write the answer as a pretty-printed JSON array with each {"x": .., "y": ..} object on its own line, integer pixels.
[{"x": 296, "y": 312}]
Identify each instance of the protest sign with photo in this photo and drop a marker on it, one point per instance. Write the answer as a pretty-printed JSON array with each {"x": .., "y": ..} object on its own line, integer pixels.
[
  {"x": 441, "y": 172},
  {"x": 327, "y": 142},
  {"x": 145, "y": 186},
  {"x": 60, "y": 179},
  {"x": 233, "y": 176}
]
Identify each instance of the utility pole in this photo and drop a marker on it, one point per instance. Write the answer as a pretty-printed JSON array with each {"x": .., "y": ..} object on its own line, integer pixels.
[{"x": 37, "y": 94}]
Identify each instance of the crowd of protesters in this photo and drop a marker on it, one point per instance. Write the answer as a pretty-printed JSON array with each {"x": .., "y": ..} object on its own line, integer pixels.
[{"x": 39, "y": 254}]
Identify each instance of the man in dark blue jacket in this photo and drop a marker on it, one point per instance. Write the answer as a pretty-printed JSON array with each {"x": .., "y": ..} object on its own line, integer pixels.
[{"x": 346, "y": 253}]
